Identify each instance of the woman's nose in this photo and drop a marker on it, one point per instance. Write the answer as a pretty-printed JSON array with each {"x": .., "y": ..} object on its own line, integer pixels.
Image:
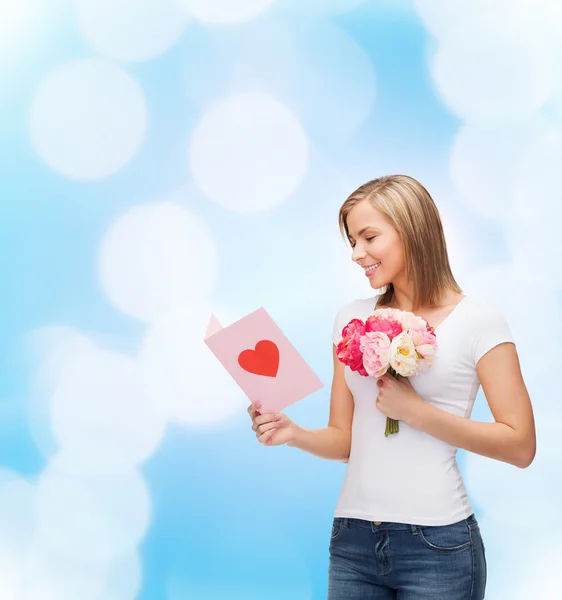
[{"x": 357, "y": 254}]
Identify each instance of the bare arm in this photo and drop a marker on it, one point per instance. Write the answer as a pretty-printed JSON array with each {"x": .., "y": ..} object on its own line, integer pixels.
[
  {"x": 511, "y": 438},
  {"x": 334, "y": 441}
]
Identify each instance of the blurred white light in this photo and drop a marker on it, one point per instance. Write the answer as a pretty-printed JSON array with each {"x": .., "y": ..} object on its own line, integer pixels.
[
  {"x": 494, "y": 483},
  {"x": 535, "y": 196},
  {"x": 253, "y": 56},
  {"x": 182, "y": 375},
  {"x": 18, "y": 20},
  {"x": 101, "y": 417},
  {"x": 17, "y": 527},
  {"x": 124, "y": 581},
  {"x": 248, "y": 153},
  {"x": 515, "y": 291},
  {"x": 157, "y": 256},
  {"x": 439, "y": 16},
  {"x": 544, "y": 16},
  {"x": 533, "y": 225},
  {"x": 50, "y": 576},
  {"x": 335, "y": 84},
  {"x": 130, "y": 29},
  {"x": 88, "y": 119},
  {"x": 314, "y": 262},
  {"x": 17, "y": 515},
  {"x": 484, "y": 161},
  {"x": 11, "y": 576},
  {"x": 523, "y": 556},
  {"x": 91, "y": 518},
  {"x": 321, "y": 7},
  {"x": 541, "y": 576},
  {"x": 522, "y": 492},
  {"x": 225, "y": 11},
  {"x": 314, "y": 68},
  {"x": 53, "y": 348},
  {"x": 506, "y": 75},
  {"x": 13, "y": 14}
]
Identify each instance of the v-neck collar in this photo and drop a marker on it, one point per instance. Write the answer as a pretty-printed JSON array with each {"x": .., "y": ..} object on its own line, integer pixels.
[
  {"x": 451, "y": 313},
  {"x": 462, "y": 301}
]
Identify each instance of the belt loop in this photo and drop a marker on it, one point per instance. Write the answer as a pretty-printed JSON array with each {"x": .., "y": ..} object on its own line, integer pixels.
[{"x": 414, "y": 529}]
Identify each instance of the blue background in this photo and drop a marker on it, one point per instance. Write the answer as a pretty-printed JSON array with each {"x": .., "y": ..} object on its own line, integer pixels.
[{"x": 230, "y": 518}]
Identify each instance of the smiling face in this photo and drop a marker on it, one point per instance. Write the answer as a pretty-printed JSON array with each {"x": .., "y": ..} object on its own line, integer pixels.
[
  {"x": 374, "y": 240},
  {"x": 405, "y": 234}
]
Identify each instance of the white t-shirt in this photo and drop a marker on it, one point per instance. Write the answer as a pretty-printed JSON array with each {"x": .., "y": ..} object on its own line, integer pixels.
[{"x": 411, "y": 476}]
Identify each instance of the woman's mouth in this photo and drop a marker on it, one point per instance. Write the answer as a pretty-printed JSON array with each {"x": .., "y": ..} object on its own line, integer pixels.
[{"x": 371, "y": 269}]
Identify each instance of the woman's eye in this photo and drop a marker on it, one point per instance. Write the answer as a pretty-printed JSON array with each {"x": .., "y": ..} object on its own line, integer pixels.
[{"x": 370, "y": 239}]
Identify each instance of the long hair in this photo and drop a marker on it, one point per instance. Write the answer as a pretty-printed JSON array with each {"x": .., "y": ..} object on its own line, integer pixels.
[{"x": 408, "y": 206}]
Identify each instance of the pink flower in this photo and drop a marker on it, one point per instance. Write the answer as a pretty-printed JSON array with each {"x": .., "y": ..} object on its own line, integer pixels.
[
  {"x": 426, "y": 345},
  {"x": 413, "y": 322},
  {"x": 386, "y": 313},
  {"x": 353, "y": 328},
  {"x": 348, "y": 351},
  {"x": 385, "y": 324},
  {"x": 375, "y": 347}
]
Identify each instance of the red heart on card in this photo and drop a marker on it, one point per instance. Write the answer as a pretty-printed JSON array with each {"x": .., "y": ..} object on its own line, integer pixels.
[{"x": 264, "y": 360}]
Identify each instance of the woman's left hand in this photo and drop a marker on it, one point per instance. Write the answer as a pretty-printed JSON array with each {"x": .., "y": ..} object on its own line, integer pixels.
[{"x": 397, "y": 399}]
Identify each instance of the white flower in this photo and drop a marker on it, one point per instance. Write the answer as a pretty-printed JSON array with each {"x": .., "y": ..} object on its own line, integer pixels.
[{"x": 403, "y": 357}]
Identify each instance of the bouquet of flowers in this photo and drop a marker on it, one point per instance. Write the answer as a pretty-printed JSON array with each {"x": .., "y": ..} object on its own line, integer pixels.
[{"x": 389, "y": 340}]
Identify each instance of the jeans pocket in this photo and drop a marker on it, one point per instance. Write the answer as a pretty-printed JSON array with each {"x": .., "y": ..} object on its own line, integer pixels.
[
  {"x": 337, "y": 528},
  {"x": 445, "y": 538}
]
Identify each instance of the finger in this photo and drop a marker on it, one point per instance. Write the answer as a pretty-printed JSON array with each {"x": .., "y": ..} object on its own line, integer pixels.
[
  {"x": 260, "y": 420},
  {"x": 269, "y": 417},
  {"x": 265, "y": 427},
  {"x": 253, "y": 409},
  {"x": 266, "y": 437},
  {"x": 265, "y": 418}
]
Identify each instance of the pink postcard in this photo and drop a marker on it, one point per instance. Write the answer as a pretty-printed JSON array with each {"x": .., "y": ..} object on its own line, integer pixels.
[{"x": 262, "y": 361}]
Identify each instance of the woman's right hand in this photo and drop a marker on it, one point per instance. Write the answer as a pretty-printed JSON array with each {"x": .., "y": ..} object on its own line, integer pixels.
[{"x": 272, "y": 429}]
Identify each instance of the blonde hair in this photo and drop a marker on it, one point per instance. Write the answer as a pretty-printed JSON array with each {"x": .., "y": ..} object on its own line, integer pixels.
[{"x": 410, "y": 209}]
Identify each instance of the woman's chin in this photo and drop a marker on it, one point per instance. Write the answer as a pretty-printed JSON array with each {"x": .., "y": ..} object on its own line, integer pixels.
[{"x": 376, "y": 283}]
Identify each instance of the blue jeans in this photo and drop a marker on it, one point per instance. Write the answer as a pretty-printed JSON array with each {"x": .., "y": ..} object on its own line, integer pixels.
[{"x": 370, "y": 561}]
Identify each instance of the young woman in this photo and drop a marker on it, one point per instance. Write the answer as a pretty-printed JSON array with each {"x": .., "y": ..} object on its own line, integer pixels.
[{"x": 404, "y": 526}]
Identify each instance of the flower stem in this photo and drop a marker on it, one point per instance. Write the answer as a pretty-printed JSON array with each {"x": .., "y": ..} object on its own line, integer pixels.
[{"x": 391, "y": 424}]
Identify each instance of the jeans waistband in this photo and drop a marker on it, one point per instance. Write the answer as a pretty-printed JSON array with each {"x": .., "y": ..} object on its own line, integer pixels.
[{"x": 378, "y": 525}]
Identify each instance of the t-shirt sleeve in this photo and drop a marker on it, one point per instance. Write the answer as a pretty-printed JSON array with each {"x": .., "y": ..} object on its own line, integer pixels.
[
  {"x": 492, "y": 329},
  {"x": 339, "y": 324}
]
